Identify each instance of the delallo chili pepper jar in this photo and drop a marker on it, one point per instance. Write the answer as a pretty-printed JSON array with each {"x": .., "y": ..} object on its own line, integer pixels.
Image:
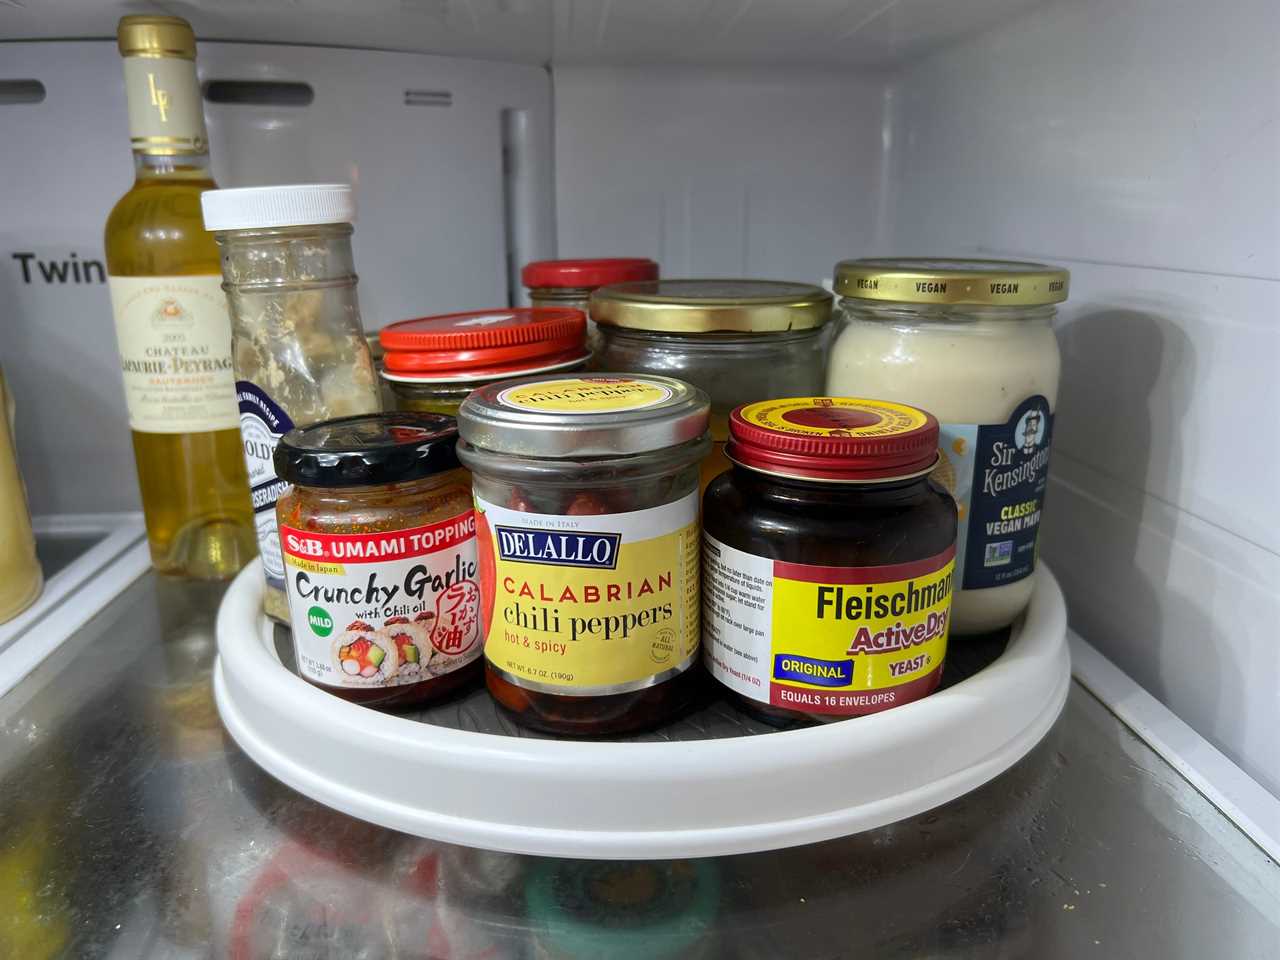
[
  {"x": 829, "y": 554},
  {"x": 378, "y": 537},
  {"x": 432, "y": 363},
  {"x": 586, "y": 493}
]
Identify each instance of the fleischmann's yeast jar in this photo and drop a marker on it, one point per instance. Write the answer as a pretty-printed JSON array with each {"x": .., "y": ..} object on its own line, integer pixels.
[
  {"x": 379, "y": 545},
  {"x": 971, "y": 341},
  {"x": 827, "y": 559},
  {"x": 586, "y": 494}
]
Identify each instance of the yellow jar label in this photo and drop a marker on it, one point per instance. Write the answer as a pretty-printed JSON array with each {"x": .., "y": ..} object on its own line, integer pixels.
[
  {"x": 834, "y": 417},
  {"x": 585, "y": 395},
  {"x": 589, "y": 604},
  {"x": 826, "y": 640}
]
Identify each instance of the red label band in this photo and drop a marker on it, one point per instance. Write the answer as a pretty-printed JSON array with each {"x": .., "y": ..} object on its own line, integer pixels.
[
  {"x": 809, "y": 573},
  {"x": 374, "y": 547},
  {"x": 853, "y": 703}
]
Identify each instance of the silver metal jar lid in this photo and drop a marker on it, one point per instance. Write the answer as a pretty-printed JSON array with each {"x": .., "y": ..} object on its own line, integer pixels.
[{"x": 587, "y": 416}]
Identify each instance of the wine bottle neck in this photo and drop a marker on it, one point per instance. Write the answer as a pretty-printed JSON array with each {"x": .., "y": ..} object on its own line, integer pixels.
[
  {"x": 165, "y": 110},
  {"x": 184, "y": 166}
]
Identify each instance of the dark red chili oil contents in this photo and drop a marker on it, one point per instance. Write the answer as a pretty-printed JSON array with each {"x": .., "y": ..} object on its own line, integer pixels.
[{"x": 592, "y": 716}]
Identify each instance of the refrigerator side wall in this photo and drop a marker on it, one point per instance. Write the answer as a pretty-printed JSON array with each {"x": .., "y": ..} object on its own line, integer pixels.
[{"x": 1138, "y": 144}]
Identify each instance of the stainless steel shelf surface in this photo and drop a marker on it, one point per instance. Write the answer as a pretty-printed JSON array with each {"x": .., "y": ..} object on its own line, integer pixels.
[{"x": 131, "y": 826}]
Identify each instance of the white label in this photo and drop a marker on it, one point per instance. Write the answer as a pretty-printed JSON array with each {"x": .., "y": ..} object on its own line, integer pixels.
[
  {"x": 262, "y": 423},
  {"x": 174, "y": 335},
  {"x": 383, "y": 609},
  {"x": 737, "y": 617}
]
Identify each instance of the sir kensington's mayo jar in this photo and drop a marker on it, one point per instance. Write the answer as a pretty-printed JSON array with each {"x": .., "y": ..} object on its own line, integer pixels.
[{"x": 970, "y": 341}]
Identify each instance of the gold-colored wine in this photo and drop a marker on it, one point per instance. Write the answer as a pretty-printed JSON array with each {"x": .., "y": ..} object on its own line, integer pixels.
[{"x": 172, "y": 324}]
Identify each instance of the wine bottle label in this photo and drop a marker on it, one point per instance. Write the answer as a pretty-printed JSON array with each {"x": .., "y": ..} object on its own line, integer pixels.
[
  {"x": 165, "y": 115},
  {"x": 174, "y": 335}
]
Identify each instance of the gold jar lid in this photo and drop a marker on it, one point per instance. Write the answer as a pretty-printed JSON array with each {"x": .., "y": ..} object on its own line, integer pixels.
[
  {"x": 712, "y": 306},
  {"x": 146, "y": 35},
  {"x": 928, "y": 280}
]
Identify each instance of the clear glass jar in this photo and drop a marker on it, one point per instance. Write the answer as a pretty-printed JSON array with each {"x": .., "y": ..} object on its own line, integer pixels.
[
  {"x": 738, "y": 340},
  {"x": 434, "y": 396},
  {"x": 586, "y": 492},
  {"x": 830, "y": 524},
  {"x": 432, "y": 363},
  {"x": 972, "y": 342},
  {"x": 378, "y": 534},
  {"x": 570, "y": 283},
  {"x": 298, "y": 345},
  {"x": 21, "y": 577}
]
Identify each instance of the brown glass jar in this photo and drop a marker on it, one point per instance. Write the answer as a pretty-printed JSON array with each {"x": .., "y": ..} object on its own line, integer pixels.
[
  {"x": 586, "y": 493},
  {"x": 378, "y": 538},
  {"x": 827, "y": 559}
]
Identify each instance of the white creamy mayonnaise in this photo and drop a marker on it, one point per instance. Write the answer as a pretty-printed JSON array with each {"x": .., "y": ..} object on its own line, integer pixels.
[{"x": 990, "y": 376}]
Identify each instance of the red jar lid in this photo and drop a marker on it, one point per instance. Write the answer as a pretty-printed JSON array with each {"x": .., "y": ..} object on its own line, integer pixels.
[
  {"x": 587, "y": 273},
  {"x": 485, "y": 342},
  {"x": 833, "y": 438}
]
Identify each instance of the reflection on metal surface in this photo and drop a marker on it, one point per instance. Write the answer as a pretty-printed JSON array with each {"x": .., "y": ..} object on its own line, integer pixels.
[{"x": 153, "y": 836}]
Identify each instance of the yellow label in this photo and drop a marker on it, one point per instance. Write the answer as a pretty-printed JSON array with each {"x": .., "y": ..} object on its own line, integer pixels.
[
  {"x": 585, "y": 395},
  {"x": 585, "y": 605},
  {"x": 174, "y": 335},
  {"x": 826, "y": 640},
  {"x": 834, "y": 417}
]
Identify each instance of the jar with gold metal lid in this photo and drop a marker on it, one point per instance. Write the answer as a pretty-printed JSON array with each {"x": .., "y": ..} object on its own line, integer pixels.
[
  {"x": 972, "y": 342},
  {"x": 738, "y": 340}
]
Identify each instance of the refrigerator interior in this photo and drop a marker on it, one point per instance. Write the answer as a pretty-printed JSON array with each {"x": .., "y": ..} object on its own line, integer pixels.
[{"x": 1134, "y": 142}]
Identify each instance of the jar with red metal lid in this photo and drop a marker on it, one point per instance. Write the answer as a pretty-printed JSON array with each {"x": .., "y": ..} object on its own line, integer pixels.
[
  {"x": 432, "y": 363},
  {"x": 828, "y": 554},
  {"x": 570, "y": 283}
]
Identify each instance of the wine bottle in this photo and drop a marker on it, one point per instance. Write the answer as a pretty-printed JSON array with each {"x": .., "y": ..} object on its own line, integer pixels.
[{"x": 172, "y": 324}]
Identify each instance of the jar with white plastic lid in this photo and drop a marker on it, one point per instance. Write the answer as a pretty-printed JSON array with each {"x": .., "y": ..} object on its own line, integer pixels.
[
  {"x": 297, "y": 343},
  {"x": 972, "y": 342},
  {"x": 738, "y": 340},
  {"x": 432, "y": 363}
]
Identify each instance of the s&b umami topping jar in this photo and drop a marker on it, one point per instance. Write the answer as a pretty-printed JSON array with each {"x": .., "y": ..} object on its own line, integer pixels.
[
  {"x": 432, "y": 363},
  {"x": 828, "y": 556},
  {"x": 378, "y": 537},
  {"x": 738, "y": 340},
  {"x": 586, "y": 492}
]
